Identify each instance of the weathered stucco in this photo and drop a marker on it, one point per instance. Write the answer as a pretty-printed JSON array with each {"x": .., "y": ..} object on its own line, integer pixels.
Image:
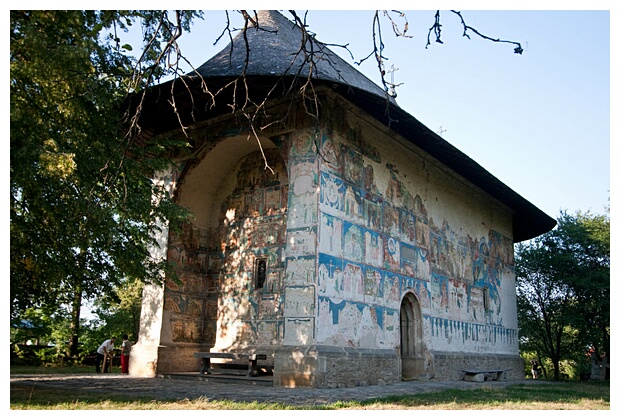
[{"x": 353, "y": 223}]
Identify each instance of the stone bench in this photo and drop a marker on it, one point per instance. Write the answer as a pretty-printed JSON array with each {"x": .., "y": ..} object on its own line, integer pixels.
[
  {"x": 249, "y": 359},
  {"x": 484, "y": 375}
]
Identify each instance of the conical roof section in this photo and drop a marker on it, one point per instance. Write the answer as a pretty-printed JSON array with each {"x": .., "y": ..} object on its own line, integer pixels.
[{"x": 275, "y": 50}]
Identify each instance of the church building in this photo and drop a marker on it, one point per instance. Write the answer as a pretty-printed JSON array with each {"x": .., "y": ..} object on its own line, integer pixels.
[{"x": 335, "y": 234}]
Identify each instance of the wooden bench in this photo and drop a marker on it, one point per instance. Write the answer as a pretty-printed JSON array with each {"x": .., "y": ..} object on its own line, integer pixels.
[
  {"x": 484, "y": 375},
  {"x": 250, "y": 359}
]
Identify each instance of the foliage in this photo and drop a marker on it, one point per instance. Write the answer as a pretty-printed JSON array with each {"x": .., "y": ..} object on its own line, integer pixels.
[
  {"x": 34, "y": 325},
  {"x": 563, "y": 291},
  {"x": 42, "y": 327},
  {"x": 41, "y": 336},
  {"x": 116, "y": 315},
  {"x": 123, "y": 313},
  {"x": 84, "y": 208}
]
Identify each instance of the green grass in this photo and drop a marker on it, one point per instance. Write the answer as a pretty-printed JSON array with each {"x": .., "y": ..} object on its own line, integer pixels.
[
  {"x": 550, "y": 396},
  {"x": 540, "y": 395},
  {"x": 44, "y": 370}
]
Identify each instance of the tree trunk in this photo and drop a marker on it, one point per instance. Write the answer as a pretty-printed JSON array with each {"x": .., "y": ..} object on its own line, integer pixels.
[
  {"x": 556, "y": 370},
  {"x": 540, "y": 363},
  {"x": 75, "y": 322}
]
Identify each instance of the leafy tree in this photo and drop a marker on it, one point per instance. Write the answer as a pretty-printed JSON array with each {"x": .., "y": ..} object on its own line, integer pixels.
[
  {"x": 120, "y": 314},
  {"x": 35, "y": 329},
  {"x": 35, "y": 325},
  {"x": 84, "y": 208},
  {"x": 115, "y": 315},
  {"x": 563, "y": 290}
]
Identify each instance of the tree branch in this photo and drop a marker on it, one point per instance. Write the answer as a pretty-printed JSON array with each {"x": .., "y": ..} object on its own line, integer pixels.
[{"x": 518, "y": 49}]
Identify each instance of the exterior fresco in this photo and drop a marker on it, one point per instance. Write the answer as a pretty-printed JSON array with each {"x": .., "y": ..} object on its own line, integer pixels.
[
  {"x": 348, "y": 224},
  {"x": 390, "y": 245},
  {"x": 217, "y": 300}
]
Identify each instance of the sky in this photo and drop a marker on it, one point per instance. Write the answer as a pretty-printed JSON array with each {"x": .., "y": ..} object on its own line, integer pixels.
[{"x": 539, "y": 122}]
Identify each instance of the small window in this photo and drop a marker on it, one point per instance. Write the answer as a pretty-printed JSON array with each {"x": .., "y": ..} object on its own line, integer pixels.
[
  {"x": 260, "y": 273},
  {"x": 486, "y": 298}
]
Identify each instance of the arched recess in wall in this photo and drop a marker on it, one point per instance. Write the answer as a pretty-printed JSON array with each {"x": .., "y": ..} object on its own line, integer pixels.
[
  {"x": 239, "y": 225},
  {"x": 411, "y": 339},
  {"x": 204, "y": 185}
]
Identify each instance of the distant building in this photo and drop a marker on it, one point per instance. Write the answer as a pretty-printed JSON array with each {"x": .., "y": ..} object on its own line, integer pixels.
[{"x": 370, "y": 251}]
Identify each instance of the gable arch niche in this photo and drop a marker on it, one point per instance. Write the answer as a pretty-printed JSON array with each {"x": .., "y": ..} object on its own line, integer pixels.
[{"x": 229, "y": 258}]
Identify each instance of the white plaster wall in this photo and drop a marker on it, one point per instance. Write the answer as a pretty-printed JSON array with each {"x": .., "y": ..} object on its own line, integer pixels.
[{"x": 143, "y": 357}]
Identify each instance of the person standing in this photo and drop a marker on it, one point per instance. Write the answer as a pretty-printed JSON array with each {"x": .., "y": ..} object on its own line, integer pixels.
[
  {"x": 125, "y": 350},
  {"x": 105, "y": 349},
  {"x": 535, "y": 368}
]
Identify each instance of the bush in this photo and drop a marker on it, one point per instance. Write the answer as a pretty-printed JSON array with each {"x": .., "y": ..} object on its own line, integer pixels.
[{"x": 32, "y": 355}]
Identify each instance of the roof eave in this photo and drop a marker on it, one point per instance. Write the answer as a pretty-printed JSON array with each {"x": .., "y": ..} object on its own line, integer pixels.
[{"x": 528, "y": 221}]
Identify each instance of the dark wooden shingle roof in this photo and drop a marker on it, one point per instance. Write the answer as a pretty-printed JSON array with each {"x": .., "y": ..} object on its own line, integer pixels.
[{"x": 275, "y": 49}]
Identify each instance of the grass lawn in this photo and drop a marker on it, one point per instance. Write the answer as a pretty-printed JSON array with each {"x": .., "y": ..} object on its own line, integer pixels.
[
  {"x": 551, "y": 396},
  {"x": 43, "y": 370}
]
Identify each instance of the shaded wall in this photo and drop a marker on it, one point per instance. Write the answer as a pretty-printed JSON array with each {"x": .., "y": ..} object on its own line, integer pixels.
[{"x": 218, "y": 304}]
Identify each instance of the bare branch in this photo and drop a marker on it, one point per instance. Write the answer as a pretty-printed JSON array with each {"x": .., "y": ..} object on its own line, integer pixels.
[
  {"x": 518, "y": 49},
  {"x": 436, "y": 28},
  {"x": 395, "y": 27}
]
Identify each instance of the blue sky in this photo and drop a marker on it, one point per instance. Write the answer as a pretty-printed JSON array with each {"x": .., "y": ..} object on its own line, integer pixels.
[{"x": 539, "y": 122}]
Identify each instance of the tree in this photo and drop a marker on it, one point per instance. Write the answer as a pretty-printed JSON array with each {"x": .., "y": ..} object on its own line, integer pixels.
[
  {"x": 34, "y": 331},
  {"x": 115, "y": 315},
  {"x": 563, "y": 289},
  {"x": 34, "y": 325},
  {"x": 84, "y": 208},
  {"x": 121, "y": 313}
]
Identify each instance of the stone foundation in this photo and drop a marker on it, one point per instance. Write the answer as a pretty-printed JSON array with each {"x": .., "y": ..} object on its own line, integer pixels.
[
  {"x": 334, "y": 367},
  {"x": 178, "y": 358},
  {"x": 449, "y": 366}
]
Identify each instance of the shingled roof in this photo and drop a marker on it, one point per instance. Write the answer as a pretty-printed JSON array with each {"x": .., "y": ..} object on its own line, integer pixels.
[
  {"x": 274, "y": 52},
  {"x": 275, "y": 49}
]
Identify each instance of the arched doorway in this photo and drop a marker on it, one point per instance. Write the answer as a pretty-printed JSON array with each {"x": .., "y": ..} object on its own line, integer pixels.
[{"x": 411, "y": 343}]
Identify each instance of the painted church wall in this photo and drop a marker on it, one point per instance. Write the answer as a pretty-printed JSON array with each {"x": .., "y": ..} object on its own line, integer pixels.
[
  {"x": 302, "y": 236},
  {"x": 346, "y": 233},
  {"x": 391, "y": 221},
  {"x": 218, "y": 303}
]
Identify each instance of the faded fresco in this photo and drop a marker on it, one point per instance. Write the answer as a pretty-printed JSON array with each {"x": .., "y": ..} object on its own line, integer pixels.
[
  {"x": 343, "y": 234},
  {"x": 217, "y": 299},
  {"x": 377, "y": 242},
  {"x": 300, "y": 286}
]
